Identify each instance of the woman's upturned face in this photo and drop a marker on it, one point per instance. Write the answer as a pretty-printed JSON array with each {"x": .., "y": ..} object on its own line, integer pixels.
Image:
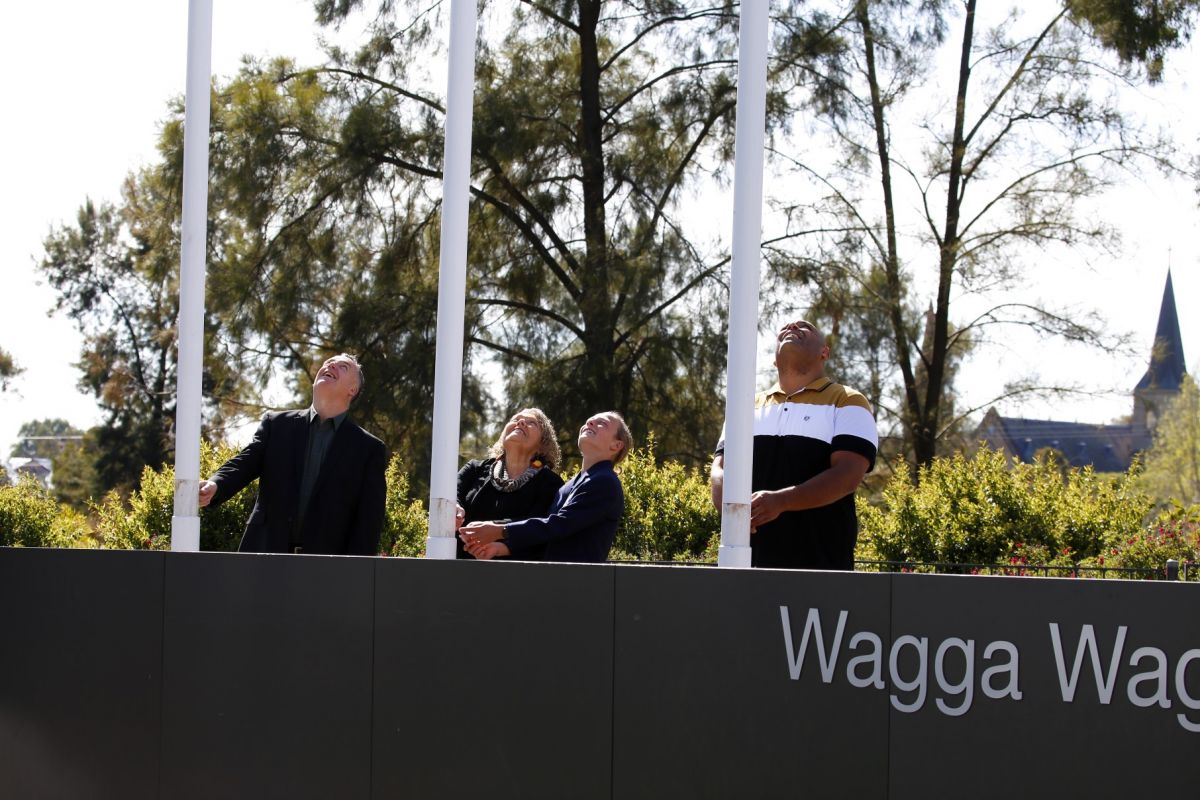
[
  {"x": 522, "y": 428},
  {"x": 598, "y": 437}
]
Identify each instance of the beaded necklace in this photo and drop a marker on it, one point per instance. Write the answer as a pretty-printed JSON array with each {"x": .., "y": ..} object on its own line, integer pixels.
[{"x": 504, "y": 483}]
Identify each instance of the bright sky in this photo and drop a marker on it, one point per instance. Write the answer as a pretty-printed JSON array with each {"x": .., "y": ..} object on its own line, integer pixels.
[{"x": 88, "y": 87}]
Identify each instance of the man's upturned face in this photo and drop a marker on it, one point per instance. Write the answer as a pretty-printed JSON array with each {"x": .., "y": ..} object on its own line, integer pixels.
[
  {"x": 800, "y": 345},
  {"x": 336, "y": 381}
]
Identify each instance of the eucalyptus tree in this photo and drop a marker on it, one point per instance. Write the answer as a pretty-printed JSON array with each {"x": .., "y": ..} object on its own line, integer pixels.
[
  {"x": 963, "y": 150},
  {"x": 1172, "y": 464},
  {"x": 9, "y": 369},
  {"x": 115, "y": 270},
  {"x": 593, "y": 280}
]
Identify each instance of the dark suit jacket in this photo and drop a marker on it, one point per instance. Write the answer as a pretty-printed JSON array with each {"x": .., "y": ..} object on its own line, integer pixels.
[
  {"x": 345, "y": 510},
  {"x": 582, "y": 522}
]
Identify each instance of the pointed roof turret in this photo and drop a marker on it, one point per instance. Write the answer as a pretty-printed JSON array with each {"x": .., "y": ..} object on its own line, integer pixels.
[{"x": 1167, "y": 368}]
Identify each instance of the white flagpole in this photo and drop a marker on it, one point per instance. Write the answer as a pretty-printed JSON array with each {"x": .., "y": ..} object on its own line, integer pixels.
[
  {"x": 452, "y": 280},
  {"x": 185, "y": 524},
  {"x": 744, "y": 283}
]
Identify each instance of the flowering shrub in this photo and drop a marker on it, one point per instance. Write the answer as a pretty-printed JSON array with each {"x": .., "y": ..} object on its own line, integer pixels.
[
  {"x": 1174, "y": 535},
  {"x": 984, "y": 510}
]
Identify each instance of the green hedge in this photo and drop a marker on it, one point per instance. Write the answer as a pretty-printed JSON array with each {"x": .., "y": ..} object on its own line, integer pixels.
[
  {"x": 30, "y": 516},
  {"x": 143, "y": 521},
  {"x": 1175, "y": 534},
  {"x": 985, "y": 510},
  {"x": 669, "y": 515},
  {"x": 406, "y": 522},
  {"x": 977, "y": 510}
]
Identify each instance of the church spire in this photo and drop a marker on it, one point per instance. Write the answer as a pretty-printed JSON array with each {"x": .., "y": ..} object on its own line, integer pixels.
[
  {"x": 1164, "y": 377},
  {"x": 1167, "y": 366}
]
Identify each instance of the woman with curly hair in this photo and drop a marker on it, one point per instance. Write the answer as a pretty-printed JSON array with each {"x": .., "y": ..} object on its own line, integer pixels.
[
  {"x": 583, "y": 520},
  {"x": 517, "y": 479}
]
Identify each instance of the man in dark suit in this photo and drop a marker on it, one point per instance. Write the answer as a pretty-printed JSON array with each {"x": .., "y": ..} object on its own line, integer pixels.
[
  {"x": 583, "y": 520},
  {"x": 321, "y": 477}
]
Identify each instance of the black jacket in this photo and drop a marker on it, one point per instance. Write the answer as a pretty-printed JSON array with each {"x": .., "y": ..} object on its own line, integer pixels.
[
  {"x": 482, "y": 501},
  {"x": 346, "y": 509}
]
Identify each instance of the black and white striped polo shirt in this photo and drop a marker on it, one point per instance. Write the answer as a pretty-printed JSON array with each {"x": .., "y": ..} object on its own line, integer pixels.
[{"x": 795, "y": 436}]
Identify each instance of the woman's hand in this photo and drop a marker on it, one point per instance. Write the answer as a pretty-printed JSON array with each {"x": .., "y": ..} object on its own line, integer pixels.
[
  {"x": 480, "y": 533},
  {"x": 460, "y": 514},
  {"x": 484, "y": 552}
]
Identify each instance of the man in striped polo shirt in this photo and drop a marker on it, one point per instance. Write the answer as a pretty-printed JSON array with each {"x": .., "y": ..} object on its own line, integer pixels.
[{"x": 814, "y": 440}]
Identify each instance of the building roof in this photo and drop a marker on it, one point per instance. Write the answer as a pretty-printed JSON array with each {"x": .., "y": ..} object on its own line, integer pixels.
[
  {"x": 1167, "y": 366},
  {"x": 1108, "y": 448}
]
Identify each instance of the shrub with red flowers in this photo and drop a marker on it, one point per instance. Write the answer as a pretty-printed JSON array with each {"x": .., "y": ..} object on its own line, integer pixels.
[{"x": 1174, "y": 535}]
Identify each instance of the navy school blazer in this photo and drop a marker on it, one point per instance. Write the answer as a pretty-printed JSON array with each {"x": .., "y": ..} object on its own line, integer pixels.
[{"x": 581, "y": 524}]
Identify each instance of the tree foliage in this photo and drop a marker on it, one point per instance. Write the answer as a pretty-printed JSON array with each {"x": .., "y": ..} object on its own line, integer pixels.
[
  {"x": 43, "y": 438},
  {"x": 1172, "y": 464},
  {"x": 941, "y": 193},
  {"x": 9, "y": 369},
  {"x": 588, "y": 286},
  {"x": 1139, "y": 31},
  {"x": 75, "y": 480},
  {"x": 116, "y": 273},
  {"x": 591, "y": 282},
  {"x": 71, "y": 453}
]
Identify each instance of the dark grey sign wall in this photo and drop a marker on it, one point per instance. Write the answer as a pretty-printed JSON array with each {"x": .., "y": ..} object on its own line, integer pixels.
[
  {"x": 1097, "y": 744},
  {"x": 493, "y": 680},
  {"x": 141, "y": 675},
  {"x": 704, "y": 703},
  {"x": 267, "y": 676},
  {"x": 80, "y": 674}
]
